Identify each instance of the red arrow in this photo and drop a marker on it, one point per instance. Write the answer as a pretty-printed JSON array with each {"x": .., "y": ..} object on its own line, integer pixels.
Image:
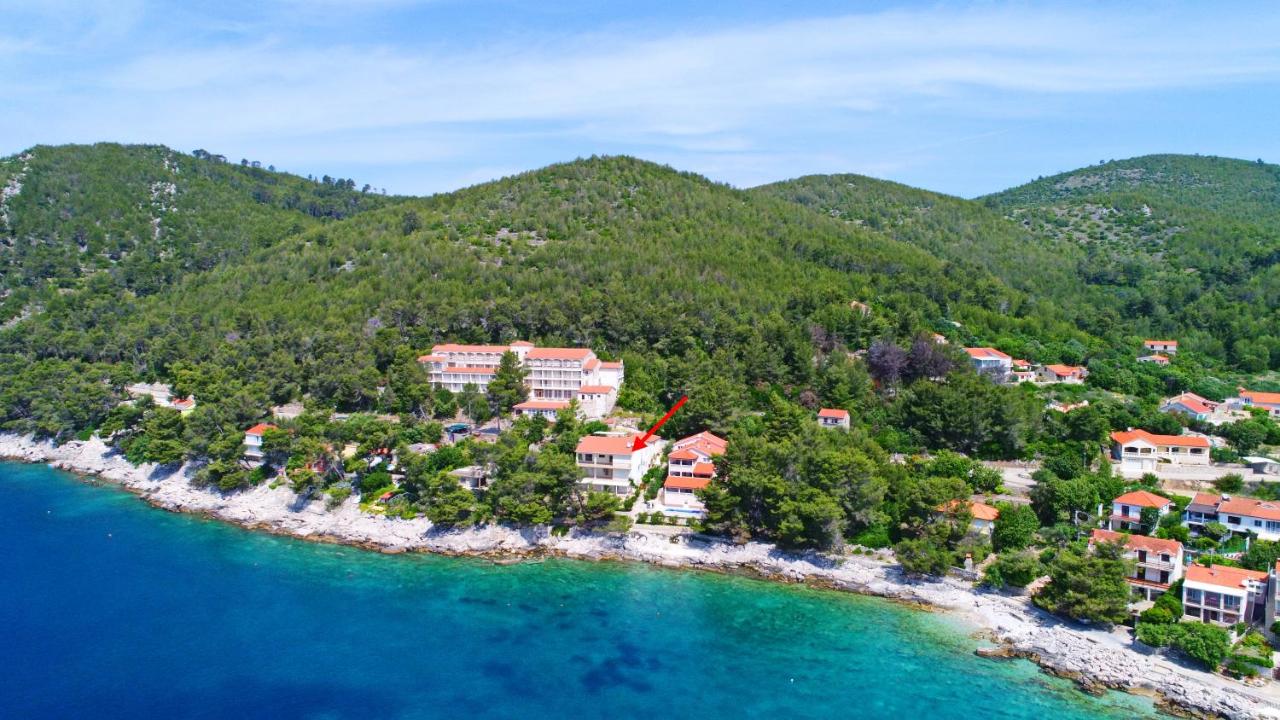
[{"x": 643, "y": 441}]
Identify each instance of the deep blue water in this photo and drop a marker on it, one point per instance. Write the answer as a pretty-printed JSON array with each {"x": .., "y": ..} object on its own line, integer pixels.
[{"x": 112, "y": 609}]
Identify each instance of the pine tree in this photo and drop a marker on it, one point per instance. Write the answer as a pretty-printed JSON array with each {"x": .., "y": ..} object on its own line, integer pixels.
[{"x": 507, "y": 387}]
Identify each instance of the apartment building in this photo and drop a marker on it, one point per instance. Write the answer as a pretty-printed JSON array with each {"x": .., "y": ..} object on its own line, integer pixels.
[
  {"x": 691, "y": 467},
  {"x": 609, "y": 464},
  {"x": 1224, "y": 595},
  {"x": 1157, "y": 563},
  {"x": 1239, "y": 515},
  {"x": 990, "y": 361},
  {"x": 1141, "y": 450}
]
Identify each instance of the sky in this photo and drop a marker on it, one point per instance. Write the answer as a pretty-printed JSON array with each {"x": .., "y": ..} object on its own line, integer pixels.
[{"x": 419, "y": 97}]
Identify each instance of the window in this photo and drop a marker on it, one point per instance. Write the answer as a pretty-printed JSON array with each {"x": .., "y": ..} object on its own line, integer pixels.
[
  {"x": 1197, "y": 451},
  {"x": 1273, "y": 526},
  {"x": 1192, "y": 595},
  {"x": 1230, "y": 601},
  {"x": 1233, "y": 520}
]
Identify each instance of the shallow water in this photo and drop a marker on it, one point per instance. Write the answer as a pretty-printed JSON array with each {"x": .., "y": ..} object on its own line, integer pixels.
[{"x": 111, "y": 608}]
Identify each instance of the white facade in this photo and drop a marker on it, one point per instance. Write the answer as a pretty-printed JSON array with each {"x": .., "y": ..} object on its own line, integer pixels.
[
  {"x": 990, "y": 361},
  {"x": 1224, "y": 595},
  {"x": 1168, "y": 347},
  {"x": 1065, "y": 374},
  {"x": 609, "y": 464},
  {"x": 548, "y": 409},
  {"x": 833, "y": 418},
  {"x": 162, "y": 394},
  {"x": 690, "y": 467},
  {"x": 1126, "y": 510},
  {"x": 1141, "y": 450},
  {"x": 1157, "y": 563},
  {"x": 1239, "y": 515},
  {"x": 253, "y": 440}
]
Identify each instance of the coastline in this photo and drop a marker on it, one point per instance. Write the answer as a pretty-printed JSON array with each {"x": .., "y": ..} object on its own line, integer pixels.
[{"x": 1093, "y": 658}]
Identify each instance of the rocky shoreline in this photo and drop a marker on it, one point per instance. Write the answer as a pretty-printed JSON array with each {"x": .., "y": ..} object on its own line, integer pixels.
[{"x": 1095, "y": 659}]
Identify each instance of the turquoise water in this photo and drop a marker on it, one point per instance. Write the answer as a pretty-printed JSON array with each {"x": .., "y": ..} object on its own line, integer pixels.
[{"x": 112, "y": 609}]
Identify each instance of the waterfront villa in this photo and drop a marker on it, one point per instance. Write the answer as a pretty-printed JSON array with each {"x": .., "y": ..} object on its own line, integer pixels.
[
  {"x": 540, "y": 408},
  {"x": 1268, "y": 401},
  {"x": 982, "y": 516},
  {"x": 833, "y": 418},
  {"x": 1069, "y": 374},
  {"x": 253, "y": 440},
  {"x": 990, "y": 361},
  {"x": 691, "y": 467},
  {"x": 1141, "y": 450},
  {"x": 1157, "y": 563},
  {"x": 1126, "y": 510},
  {"x": 1157, "y": 359},
  {"x": 1169, "y": 347},
  {"x": 1239, "y": 515},
  {"x": 609, "y": 464},
  {"x": 471, "y": 477},
  {"x": 1224, "y": 595},
  {"x": 162, "y": 394}
]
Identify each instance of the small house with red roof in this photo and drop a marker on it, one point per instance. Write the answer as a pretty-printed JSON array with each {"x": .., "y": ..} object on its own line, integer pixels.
[
  {"x": 982, "y": 516},
  {"x": 253, "y": 440},
  {"x": 1158, "y": 563},
  {"x": 1067, "y": 374},
  {"x": 1126, "y": 510},
  {"x": 547, "y": 409},
  {"x": 990, "y": 360},
  {"x": 1268, "y": 401},
  {"x": 1139, "y": 450},
  {"x": 691, "y": 467},
  {"x": 1168, "y": 347},
  {"x": 1190, "y": 405},
  {"x": 610, "y": 463},
  {"x": 834, "y": 418},
  {"x": 1224, "y": 595},
  {"x": 1240, "y": 515},
  {"x": 1157, "y": 359}
]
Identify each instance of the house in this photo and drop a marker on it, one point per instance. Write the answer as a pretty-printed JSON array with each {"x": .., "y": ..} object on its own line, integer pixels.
[
  {"x": 162, "y": 395},
  {"x": 982, "y": 516},
  {"x": 596, "y": 401},
  {"x": 1141, "y": 450},
  {"x": 471, "y": 477},
  {"x": 1169, "y": 347},
  {"x": 1126, "y": 510},
  {"x": 1068, "y": 407},
  {"x": 609, "y": 464},
  {"x": 833, "y": 418},
  {"x": 1069, "y": 374},
  {"x": 1191, "y": 405},
  {"x": 1239, "y": 515},
  {"x": 1157, "y": 563},
  {"x": 1224, "y": 595},
  {"x": 1157, "y": 359},
  {"x": 253, "y": 440},
  {"x": 691, "y": 467},
  {"x": 1268, "y": 401},
  {"x": 548, "y": 409},
  {"x": 288, "y": 411},
  {"x": 990, "y": 361},
  {"x": 1273, "y": 596},
  {"x": 1263, "y": 465},
  {"x": 1022, "y": 371}
]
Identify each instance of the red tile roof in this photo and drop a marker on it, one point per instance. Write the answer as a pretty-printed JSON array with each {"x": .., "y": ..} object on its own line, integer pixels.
[
  {"x": 684, "y": 454},
  {"x": 1142, "y": 498},
  {"x": 559, "y": 354},
  {"x": 542, "y": 405},
  {"x": 833, "y": 413},
  {"x": 1149, "y": 343},
  {"x": 522, "y": 343},
  {"x": 607, "y": 444},
  {"x": 1157, "y": 359},
  {"x": 453, "y": 348},
  {"x": 1128, "y": 436},
  {"x": 610, "y": 365},
  {"x": 259, "y": 429},
  {"x": 687, "y": 483},
  {"x": 981, "y": 353},
  {"x": 431, "y": 358},
  {"x": 596, "y": 389},
  {"x": 1261, "y": 398},
  {"x": 1064, "y": 370},
  {"x": 1192, "y": 402},
  {"x": 1223, "y": 576},
  {"x": 704, "y": 440},
  {"x": 979, "y": 511},
  {"x": 1137, "y": 542},
  {"x": 1251, "y": 507}
]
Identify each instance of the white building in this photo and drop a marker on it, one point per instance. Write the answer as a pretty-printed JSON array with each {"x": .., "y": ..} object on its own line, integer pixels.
[
  {"x": 548, "y": 409},
  {"x": 1157, "y": 563},
  {"x": 471, "y": 477},
  {"x": 609, "y": 464},
  {"x": 691, "y": 467},
  {"x": 453, "y": 367},
  {"x": 1268, "y": 401},
  {"x": 1157, "y": 359},
  {"x": 1141, "y": 450},
  {"x": 1224, "y": 595},
  {"x": 1168, "y": 347},
  {"x": 253, "y": 440},
  {"x": 1239, "y": 515},
  {"x": 1067, "y": 374},
  {"x": 990, "y": 361},
  {"x": 1126, "y": 510},
  {"x": 834, "y": 418},
  {"x": 162, "y": 394},
  {"x": 596, "y": 401},
  {"x": 982, "y": 517}
]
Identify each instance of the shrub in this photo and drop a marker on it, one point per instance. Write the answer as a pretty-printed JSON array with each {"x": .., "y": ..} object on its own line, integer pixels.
[
  {"x": 921, "y": 557},
  {"x": 1157, "y": 616},
  {"x": 1232, "y": 483},
  {"x": 875, "y": 536},
  {"x": 1013, "y": 570},
  {"x": 1156, "y": 634},
  {"x": 1209, "y": 644}
]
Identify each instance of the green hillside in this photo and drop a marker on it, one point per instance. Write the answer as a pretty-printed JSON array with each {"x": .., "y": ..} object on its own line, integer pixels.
[{"x": 1187, "y": 246}]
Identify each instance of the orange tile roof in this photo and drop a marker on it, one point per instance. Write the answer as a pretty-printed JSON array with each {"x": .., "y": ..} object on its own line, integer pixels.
[
  {"x": 979, "y": 511},
  {"x": 1149, "y": 343},
  {"x": 453, "y": 348},
  {"x": 259, "y": 429},
  {"x": 596, "y": 389},
  {"x": 833, "y": 413},
  {"x": 1128, "y": 436},
  {"x": 1142, "y": 498},
  {"x": 607, "y": 444},
  {"x": 559, "y": 354},
  {"x": 610, "y": 365},
  {"x": 686, "y": 483},
  {"x": 986, "y": 353},
  {"x": 431, "y": 358},
  {"x": 683, "y": 454},
  {"x": 591, "y": 364},
  {"x": 704, "y": 469},
  {"x": 1223, "y": 576},
  {"x": 1137, "y": 542},
  {"x": 1206, "y": 499},
  {"x": 1251, "y": 507},
  {"x": 522, "y": 343},
  {"x": 542, "y": 405},
  {"x": 703, "y": 439},
  {"x": 1192, "y": 402},
  {"x": 1064, "y": 370},
  {"x": 1262, "y": 398}
]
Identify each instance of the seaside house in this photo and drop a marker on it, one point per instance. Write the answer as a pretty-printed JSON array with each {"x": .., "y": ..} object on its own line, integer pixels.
[
  {"x": 834, "y": 418},
  {"x": 1140, "y": 450},
  {"x": 1224, "y": 595},
  {"x": 253, "y": 440},
  {"x": 990, "y": 361},
  {"x": 540, "y": 408},
  {"x": 1168, "y": 347},
  {"x": 471, "y": 477},
  {"x": 1157, "y": 359},
  {"x": 1239, "y": 515},
  {"x": 982, "y": 516},
  {"x": 1068, "y": 374},
  {"x": 162, "y": 395},
  {"x": 1126, "y": 510},
  {"x": 1268, "y": 401},
  {"x": 1157, "y": 563},
  {"x": 609, "y": 464},
  {"x": 690, "y": 467}
]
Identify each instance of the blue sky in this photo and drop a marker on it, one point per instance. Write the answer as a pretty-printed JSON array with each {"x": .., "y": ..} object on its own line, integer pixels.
[{"x": 418, "y": 97}]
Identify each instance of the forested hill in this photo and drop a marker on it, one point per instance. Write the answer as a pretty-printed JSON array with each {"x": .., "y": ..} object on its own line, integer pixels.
[
  {"x": 1189, "y": 244},
  {"x": 701, "y": 284},
  {"x": 139, "y": 217}
]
